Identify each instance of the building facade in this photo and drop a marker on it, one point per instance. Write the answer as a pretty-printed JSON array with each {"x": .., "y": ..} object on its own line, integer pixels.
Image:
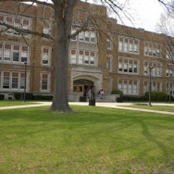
[{"x": 108, "y": 57}]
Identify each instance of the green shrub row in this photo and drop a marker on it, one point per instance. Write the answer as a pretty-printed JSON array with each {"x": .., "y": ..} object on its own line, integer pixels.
[
  {"x": 158, "y": 96},
  {"x": 2, "y": 97},
  {"x": 117, "y": 91},
  {"x": 155, "y": 96},
  {"x": 30, "y": 96}
]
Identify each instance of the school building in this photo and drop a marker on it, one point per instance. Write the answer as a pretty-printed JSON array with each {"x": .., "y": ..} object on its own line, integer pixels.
[{"x": 112, "y": 56}]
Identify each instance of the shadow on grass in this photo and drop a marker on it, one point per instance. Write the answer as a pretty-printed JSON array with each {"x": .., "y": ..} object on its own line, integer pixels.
[{"x": 89, "y": 125}]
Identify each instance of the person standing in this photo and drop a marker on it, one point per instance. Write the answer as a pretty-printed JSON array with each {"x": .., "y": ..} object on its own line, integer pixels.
[{"x": 101, "y": 94}]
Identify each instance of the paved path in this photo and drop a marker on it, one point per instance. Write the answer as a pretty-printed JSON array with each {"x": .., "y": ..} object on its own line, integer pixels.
[{"x": 101, "y": 104}]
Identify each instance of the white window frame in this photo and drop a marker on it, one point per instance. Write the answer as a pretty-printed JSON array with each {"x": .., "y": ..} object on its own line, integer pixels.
[
  {"x": 128, "y": 45},
  {"x": 109, "y": 41},
  {"x": 128, "y": 87},
  {"x": 152, "y": 49},
  {"x": 73, "y": 57},
  {"x": 43, "y": 56},
  {"x": 48, "y": 81},
  {"x": 124, "y": 68}
]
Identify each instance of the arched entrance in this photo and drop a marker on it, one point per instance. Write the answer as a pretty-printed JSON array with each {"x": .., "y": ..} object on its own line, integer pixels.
[{"x": 79, "y": 86}]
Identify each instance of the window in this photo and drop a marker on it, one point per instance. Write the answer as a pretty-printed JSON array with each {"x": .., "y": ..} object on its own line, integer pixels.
[
  {"x": 6, "y": 80},
  {"x": 87, "y": 36},
  {"x": 108, "y": 63},
  {"x": 135, "y": 67},
  {"x": 120, "y": 65},
  {"x": 46, "y": 27},
  {"x": 80, "y": 61},
  {"x": 13, "y": 53},
  {"x": 73, "y": 30},
  {"x": 26, "y": 26},
  {"x": 45, "y": 56},
  {"x": 156, "y": 71},
  {"x": 73, "y": 56},
  {"x": 129, "y": 87},
  {"x": 2, "y": 20},
  {"x": 170, "y": 89},
  {"x": 86, "y": 59},
  {"x": 0, "y": 79},
  {"x": 81, "y": 36},
  {"x": 7, "y": 52},
  {"x": 9, "y": 21},
  {"x": 1, "y": 51},
  {"x": 127, "y": 65},
  {"x": 24, "y": 54},
  {"x": 152, "y": 49},
  {"x": 93, "y": 36},
  {"x": 92, "y": 58},
  {"x": 22, "y": 80},
  {"x": 15, "y": 80},
  {"x": 18, "y": 22},
  {"x": 44, "y": 81},
  {"x": 16, "y": 53},
  {"x": 156, "y": 86},
  {"x": 128, "y": 45},
  {"x": 169, "y": 52},
  {"x": 109, "y": 41},
  {"x": 169, "y": 71},
  {"x": 12, "y": 81}
]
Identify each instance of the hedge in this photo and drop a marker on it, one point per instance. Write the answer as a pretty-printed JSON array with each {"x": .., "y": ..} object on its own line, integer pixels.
[
  {"x": 2, "y": 97},
  {"x": 117, "y": 91}
]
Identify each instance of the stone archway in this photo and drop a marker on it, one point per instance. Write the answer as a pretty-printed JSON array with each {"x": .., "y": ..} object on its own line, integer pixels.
[{"x": 80, "y": 85}]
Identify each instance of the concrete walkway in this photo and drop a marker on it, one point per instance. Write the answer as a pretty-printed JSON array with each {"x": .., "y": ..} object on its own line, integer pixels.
[{"x": 100, "y": 104}]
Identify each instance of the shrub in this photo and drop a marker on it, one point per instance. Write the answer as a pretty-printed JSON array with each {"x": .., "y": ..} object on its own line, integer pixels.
[
  {"x": 1, "y": 97},
  {"x": 37, "y": 97},
  {"x": 17, "y": 96},
  {"x": 48, "y": 97},
  {"x": 157, "y": 96},
  {"x": 29, "y": 96},
  {"x": 117, "y": 91}
]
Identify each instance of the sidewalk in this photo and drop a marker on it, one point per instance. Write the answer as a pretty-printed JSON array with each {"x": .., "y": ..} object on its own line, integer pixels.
[{"x": 100, "y": 104}]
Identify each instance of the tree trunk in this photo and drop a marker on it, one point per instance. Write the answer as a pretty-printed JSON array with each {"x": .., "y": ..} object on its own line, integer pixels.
[{"x": 60, "y": 99}]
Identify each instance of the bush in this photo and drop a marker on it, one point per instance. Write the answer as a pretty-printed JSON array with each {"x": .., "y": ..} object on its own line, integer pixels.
[
  {"x": 48, "y": 97},
  {"x": 29, "y": 96},
  {"x": 157, "y": 96},
  {"x": 37, "y": 97},
  {"x": 2, "y": 97},
  {"x": 18, "y": 96},
  {"x": 117, "y": 91}
]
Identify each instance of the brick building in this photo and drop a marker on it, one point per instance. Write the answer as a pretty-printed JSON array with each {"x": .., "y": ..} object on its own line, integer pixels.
[{"x": 118, "y": 58}]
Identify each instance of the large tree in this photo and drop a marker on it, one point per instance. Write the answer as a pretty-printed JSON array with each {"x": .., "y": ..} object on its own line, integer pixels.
[{"x": 63, "y": 13}]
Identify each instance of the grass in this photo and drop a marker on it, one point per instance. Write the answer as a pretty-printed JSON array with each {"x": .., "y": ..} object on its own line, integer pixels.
[
  {"x": 93, "y": 141},
  {"x": 153, "y": 107},
  {"x": 14, "y": 103}
]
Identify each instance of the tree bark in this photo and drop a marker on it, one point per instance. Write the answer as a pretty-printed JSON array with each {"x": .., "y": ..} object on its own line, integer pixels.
[{"x": 63, "y": 18}]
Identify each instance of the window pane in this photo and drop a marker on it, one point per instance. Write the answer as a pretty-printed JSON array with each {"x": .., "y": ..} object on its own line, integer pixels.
[
  {"x": 15, "y": 56},
  {"x": 6, "y": 80},
  {"x": 15, "y": 83},
  {"x": 7, "y": 54}
]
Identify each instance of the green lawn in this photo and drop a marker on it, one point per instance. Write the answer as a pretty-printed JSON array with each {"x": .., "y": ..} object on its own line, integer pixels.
[
  {"x": 153, "y": 107},
  {"x": 92, "y": 141},
  {"x": 14, "y": 103}
]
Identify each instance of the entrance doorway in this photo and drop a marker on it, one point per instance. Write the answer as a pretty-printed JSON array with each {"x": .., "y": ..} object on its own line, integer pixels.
[{"x": 80, "y": 86}]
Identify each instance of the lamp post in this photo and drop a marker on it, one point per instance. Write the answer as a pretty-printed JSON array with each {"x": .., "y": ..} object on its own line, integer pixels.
[
  {"x": 150, "y": 70},
  {"x": 25, "y": 63}
]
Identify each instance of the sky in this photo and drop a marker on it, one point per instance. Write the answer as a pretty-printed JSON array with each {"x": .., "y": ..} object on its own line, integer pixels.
[{"x": 142, "y": 13}]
